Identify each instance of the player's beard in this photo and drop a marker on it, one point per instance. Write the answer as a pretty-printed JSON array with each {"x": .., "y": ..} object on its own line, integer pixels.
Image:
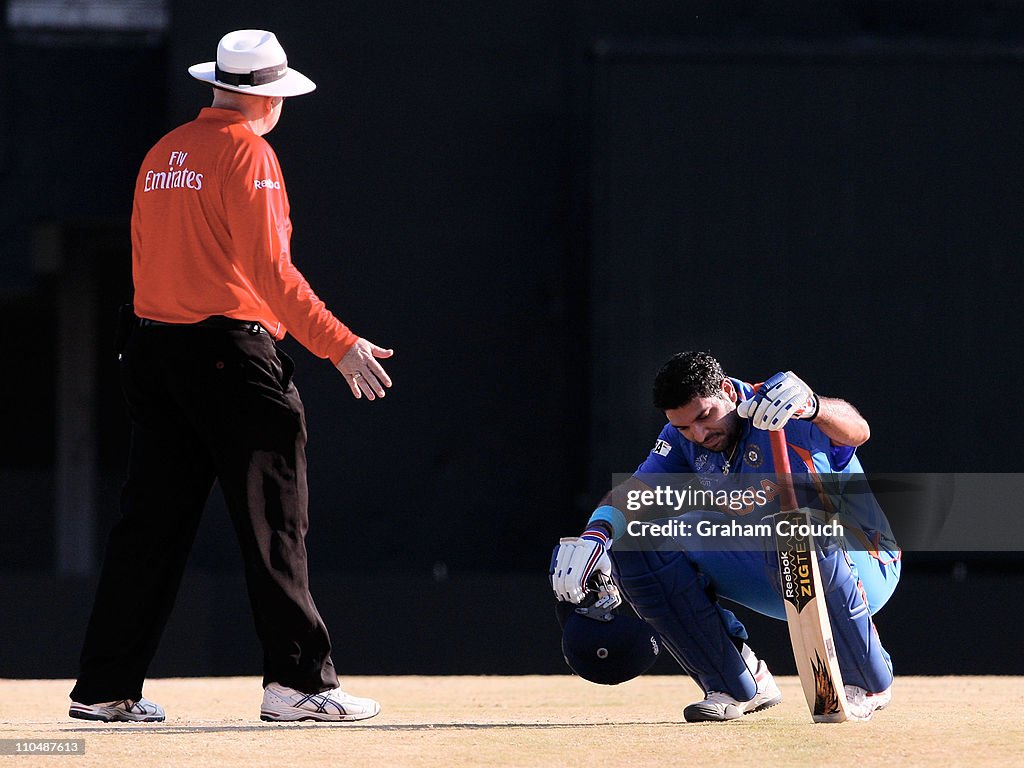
[{"x": 725, "y": 441}]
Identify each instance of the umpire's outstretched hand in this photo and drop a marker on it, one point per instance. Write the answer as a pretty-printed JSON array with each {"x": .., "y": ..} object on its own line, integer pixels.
[{"x": 362, "y": 371}]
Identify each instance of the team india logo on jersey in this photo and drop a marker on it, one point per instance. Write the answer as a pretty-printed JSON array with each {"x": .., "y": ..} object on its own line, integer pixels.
[{"x": 753, "y": 456}]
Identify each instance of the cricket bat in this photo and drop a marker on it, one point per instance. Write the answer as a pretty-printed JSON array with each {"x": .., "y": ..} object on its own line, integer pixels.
[{"x": 806, "y": 614}]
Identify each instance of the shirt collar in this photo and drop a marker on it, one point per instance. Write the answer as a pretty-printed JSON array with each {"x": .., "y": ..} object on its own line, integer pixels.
[{"x": 223, "y": 115}]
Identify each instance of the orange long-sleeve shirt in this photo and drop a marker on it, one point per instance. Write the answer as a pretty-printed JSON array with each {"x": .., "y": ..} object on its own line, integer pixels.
[{"x": 211, "y": 232}]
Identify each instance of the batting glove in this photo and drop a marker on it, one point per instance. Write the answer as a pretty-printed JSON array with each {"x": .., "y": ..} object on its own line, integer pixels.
[
  {"x": 602, "y": 598},
  {"x": 575, "y": 560},
  {"x": 783, "y": 397}
]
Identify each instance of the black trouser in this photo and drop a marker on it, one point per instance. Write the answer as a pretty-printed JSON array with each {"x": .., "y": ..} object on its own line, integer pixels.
[{"x": 207, "y": 404}]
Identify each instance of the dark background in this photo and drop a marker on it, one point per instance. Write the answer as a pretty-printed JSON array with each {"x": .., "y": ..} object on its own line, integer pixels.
[{"x": 535, "y": 203}]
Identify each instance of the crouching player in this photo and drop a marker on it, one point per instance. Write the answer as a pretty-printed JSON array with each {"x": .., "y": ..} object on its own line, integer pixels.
[{"x": 719, "y": 425}]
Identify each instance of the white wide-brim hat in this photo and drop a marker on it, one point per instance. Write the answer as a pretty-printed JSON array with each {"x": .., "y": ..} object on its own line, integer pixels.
[{"x": 252, "y": 61}]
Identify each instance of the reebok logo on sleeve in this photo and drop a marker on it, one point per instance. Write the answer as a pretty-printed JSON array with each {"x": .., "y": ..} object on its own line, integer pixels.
[{"x": 266, "y": 184}]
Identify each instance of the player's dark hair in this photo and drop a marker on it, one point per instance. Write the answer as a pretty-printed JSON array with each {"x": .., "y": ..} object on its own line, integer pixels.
[{"x": 686, "y": 376}]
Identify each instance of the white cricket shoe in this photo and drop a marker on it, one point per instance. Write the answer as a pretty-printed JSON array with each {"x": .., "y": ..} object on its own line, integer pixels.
[
  {"x": 283, "y": 703},
  {"x": 862, "y": 704},
  {"x": 125, "y": 710},
  {"x": 718, "y": 706}
]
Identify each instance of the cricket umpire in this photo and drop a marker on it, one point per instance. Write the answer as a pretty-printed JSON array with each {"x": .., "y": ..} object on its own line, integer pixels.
[{"x": 211, "y": 397}]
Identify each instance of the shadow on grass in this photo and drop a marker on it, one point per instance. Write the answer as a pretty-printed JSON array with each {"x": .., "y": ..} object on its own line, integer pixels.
[{"x": 171, "y": 730}]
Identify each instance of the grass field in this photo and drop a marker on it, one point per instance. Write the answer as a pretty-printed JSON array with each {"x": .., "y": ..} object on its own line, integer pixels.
[{"x": 526, "y": 721}]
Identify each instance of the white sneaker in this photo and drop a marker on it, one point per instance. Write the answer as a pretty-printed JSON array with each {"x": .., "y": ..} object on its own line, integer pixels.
[
  {"x": 283, "y": 703},
  {"x": 125, "y": 710},
  {"x": 718, "y": 706},
  {"x": 862, "y": 704}
]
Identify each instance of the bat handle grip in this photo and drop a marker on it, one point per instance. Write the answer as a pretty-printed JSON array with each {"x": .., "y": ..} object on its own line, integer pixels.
[{"x": 783, "y": 473}]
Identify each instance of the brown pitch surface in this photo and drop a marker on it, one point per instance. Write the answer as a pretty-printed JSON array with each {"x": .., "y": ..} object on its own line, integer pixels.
[{"x": 526, "y": 721}]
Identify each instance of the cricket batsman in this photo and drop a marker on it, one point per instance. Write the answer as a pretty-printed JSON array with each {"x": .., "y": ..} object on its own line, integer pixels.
[{"x": 719, "y": 427}]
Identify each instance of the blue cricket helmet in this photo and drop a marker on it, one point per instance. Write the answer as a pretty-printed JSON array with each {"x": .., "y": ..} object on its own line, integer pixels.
[{"x": 609, "y": 648}]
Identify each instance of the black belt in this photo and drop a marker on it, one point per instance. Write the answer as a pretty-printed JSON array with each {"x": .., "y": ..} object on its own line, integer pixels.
[{"x": 217, "y": 321}]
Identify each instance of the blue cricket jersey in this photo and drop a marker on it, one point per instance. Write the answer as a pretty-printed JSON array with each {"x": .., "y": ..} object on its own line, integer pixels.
[{"x": 810, "y": 452}]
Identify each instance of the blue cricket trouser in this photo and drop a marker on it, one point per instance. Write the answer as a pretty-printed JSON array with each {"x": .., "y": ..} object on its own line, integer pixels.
[{"x": 677, "y": 590}]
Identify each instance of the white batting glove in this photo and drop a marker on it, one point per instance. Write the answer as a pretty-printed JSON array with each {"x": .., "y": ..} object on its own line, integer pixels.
[
  {"x": 783, "y": 397},
  {"x": 575, "y": 561}
]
